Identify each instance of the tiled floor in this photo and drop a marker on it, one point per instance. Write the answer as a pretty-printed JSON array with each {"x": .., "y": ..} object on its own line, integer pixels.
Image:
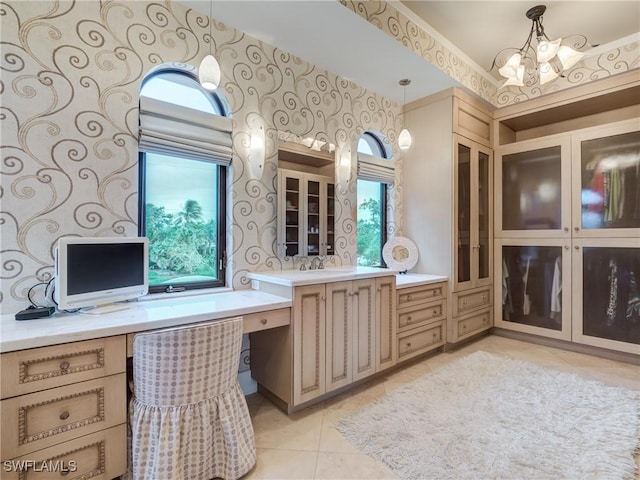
[{"x": 305, "y": 446}]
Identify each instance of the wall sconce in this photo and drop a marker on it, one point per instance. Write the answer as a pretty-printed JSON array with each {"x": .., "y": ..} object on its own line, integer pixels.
[
  {"x": 257, "y": 152},
  {"x": 344, "y": 166}
]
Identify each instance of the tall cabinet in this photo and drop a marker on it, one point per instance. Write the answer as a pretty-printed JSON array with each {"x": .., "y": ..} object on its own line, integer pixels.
[
  {"x": 448, "y": 180},
  {"x": 567, "y": 224}
]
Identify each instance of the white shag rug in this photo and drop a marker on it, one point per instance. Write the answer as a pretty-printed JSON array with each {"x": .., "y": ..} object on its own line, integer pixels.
[{"x": 491, "y": 417}]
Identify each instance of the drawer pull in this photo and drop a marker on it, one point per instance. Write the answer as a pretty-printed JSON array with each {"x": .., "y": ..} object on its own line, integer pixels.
[
  {"x": 435, "y": 311},
  {"x": 484, "y": 298},
  {"x": 64, "y": 365},
  {"x": 64, "y": 415},
  {"x": 464, "y": 302},
  {"x": 408, "y": 298},
  {"x": 409, "y": 319},
  {"x": 408, "y": 344},
  {"x": 484, "y": 320},
  {"x": 263, "y": 321},
  {"x": 464, "y": 327}
]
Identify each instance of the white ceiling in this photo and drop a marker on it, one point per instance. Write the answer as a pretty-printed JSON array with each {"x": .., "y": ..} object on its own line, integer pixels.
[{"x": 332, "y": 37}]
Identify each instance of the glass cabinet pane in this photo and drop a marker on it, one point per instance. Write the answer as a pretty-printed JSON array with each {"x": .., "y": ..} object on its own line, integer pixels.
[
  {"x": 464, "y": 213},
  {"x": 531, "y": 198},
  {"x": 313, "y": 218},
  {"x": 532, "y": 285},
  {"x": 610, "y": 169},
  {"x": 292, "y": 214},
  {"x": 611, "y": 293},
  {"x": 483, "y": 215},
  {"x": 331, "y": 218}
]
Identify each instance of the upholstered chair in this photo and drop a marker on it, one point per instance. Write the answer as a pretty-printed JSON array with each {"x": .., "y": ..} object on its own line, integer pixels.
[{"x": 188, "y": 416}]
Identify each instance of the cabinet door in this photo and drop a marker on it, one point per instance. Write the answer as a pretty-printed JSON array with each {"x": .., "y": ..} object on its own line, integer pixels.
[
  {"x": 533, "y": 291},
  {"x": 328, "y": 224},
  {"x": 386, "y": 348},
  {"x": 308, "y": 343},
  {"x": 313, "y": 220},
  {"x": 339, "y": 315},
  {"x": 472, "y": 259},
  {"x": 606, "y": 293},
  {"x": 606, "y": 200},
  {"x": 533, "y": 185},
  {"x": 290, "y": 211},
  {"x": 364, "y": 328}
]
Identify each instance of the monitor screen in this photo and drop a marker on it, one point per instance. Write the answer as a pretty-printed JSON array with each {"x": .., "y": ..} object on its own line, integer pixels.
[{"x": 96, "y": 271}]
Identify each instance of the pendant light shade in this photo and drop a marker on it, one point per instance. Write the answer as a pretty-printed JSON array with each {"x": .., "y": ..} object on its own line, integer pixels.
[
  {"x": 209, "y": 73},
  {"x": 404, "y": 139}
]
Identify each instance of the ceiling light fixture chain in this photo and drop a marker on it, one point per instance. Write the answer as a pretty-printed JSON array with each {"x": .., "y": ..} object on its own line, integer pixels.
[
  {"x": 404, "y": 139},
  {"x": 209, "y": 71},
  {"x": 545, "y": 61}
]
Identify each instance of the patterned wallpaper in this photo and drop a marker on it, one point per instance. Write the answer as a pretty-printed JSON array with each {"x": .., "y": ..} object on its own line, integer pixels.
[
  {"x": 71, "y": 73},
  {"x": 393, "y": 23}
]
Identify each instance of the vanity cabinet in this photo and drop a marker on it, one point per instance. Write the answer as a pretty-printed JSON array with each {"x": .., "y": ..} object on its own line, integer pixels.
[
  {"x": 306, "y": 214},
  {"x": 340, "y": 332},
  {"x": 65, "y": 405},
  {"x": 421, "y": 319},
  {"x": 448, "y": 196}
]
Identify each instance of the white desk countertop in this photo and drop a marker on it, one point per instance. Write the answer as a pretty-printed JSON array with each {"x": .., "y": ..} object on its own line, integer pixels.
[
  {"x": 296, "y": 278},
  {"x": 406, "y": 280},
  {"x": 143, "y": 315}
]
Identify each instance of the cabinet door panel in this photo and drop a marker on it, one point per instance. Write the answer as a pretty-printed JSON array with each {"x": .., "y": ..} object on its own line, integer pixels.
[
  {"x": 364, "y": 339},
  {"x": 386, "y": 323},
  {"x": 607, "y": 293},
  {"x": 339, "y": 332}
]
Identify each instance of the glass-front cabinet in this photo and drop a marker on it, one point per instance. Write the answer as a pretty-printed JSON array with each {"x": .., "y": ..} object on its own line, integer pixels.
[
  {"x": 606, "y": 293},
  {"x": 306, "y": 214},
  {"x": 534, "y": 285},
  {"x": 608, "y": 203},
  {"x": 473, "y": 214},
  {"x": 533, "y": 180}
]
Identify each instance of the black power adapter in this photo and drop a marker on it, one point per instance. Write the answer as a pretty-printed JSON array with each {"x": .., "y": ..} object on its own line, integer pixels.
[{"x": 35, "y": 312}]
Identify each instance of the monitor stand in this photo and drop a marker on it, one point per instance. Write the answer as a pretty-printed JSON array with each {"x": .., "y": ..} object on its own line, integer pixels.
[{"x": 109, "y": 308}]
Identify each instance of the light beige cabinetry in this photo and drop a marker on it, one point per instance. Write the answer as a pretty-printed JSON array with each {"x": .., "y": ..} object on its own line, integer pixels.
[
  {"x": 340, "y": 332},
  {"x": 421, "y": 319},
  {"x": 448, "y": 202},
  {"x": 65, "y": 405},
  {"x": 567, "y": 236}
]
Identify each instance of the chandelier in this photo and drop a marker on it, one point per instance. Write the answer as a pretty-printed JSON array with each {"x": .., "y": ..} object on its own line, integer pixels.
[{"x": 545, "y": 61}]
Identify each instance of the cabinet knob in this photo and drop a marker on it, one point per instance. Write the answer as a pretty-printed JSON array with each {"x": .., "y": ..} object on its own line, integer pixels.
[
  {"x": 64, "y": 415},
  {"x": 409, "y": 319},
  {"x": 464, "y": 302},
  {"x": 577, "y": 229},
  {"x": 566, "y": 247},
  {"x": 435, "y": 311},
  {"x": 484, "y": 320},
  {"x": 64, "y": 365},
  {"x": 484, "y": 297},
  {"x": 408, "y": 344},
  {"x": 566, "y": 229},
  {"x": 464, "y": 327},
  {"x": 263, "y": 321},
  {"x": 408, "y": 298},
  {"x": 576, "y": 247}
]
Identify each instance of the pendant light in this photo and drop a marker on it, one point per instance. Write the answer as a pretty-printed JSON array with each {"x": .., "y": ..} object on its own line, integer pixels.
[
  {"x": 209, "y": 71},
  {"x": 404, "y": 139}
]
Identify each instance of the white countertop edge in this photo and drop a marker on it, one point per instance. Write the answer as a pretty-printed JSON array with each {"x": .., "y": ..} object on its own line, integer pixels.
[
  {"x": 295, "y": 278},
  {"x": 141, "y": 316},
  {"x": 407, "y": 280}
]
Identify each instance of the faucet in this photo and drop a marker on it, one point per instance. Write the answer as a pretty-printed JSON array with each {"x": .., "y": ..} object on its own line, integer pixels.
[
  {"x": 303, "y": 263},
  {"x": 320, "y": 262}
]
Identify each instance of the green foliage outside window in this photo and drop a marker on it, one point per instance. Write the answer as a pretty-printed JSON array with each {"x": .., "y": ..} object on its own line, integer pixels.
[{"x": 369, "y": 233}]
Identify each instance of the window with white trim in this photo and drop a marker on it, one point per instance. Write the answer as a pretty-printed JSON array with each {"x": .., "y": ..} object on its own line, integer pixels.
[{"x": 184, "y": 152}]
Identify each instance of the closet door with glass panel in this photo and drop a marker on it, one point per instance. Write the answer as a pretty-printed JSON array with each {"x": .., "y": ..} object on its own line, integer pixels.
[
  {"x": 533, "y": 188},
  {"x": 606, "y": 293},
  {"x": 533, "y": 286},
  {"x": 606, "y": 187}
]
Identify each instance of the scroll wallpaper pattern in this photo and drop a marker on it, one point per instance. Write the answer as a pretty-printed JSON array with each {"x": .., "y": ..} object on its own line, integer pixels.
[
  {"x": 71, "y": 74},
  {"x": 392, "y": 22}
]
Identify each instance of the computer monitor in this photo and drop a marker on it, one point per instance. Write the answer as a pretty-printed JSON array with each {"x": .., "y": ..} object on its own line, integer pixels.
[{"x": 98, "y": 271}]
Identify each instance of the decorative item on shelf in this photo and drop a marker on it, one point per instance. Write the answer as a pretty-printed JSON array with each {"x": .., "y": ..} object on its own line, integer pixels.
[
  {"x": 400, "y": 253},
  {"x": 546, "y": 61},
  {"x": 209, "y": 71},
  {"x": 404, "y": 139}
]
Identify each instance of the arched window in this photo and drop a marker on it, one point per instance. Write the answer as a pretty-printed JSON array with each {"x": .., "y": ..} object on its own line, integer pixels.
[
  {"x": 375, "y": 172},
  {"x": 184, "y": 152}
]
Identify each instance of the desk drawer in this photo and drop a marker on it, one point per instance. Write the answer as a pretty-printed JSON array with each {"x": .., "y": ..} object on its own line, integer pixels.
[
  {"x": 98, "y": 456},
  {"x": 420, "y": 294},
  {"x": 469, "y": 301},
  {"x": 27, "y": 371},
  {"x": 420, "y": 340},
  {"x": 42, "y": 419},
  {"x": 414, "y": 317},
  {"x": 473, "y": 323},
  {"x": 254, "y": 322}
]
